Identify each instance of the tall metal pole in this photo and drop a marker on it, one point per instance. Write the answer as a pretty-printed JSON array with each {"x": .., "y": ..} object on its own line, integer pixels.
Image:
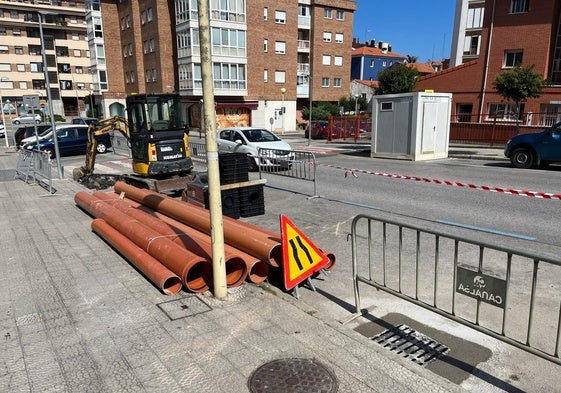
[
  {"x": 214, "y": 196},
  {"x": 49, "y": 97},
  {"x": 310, "y": 117},
  {"x": 4, "y": 120}
]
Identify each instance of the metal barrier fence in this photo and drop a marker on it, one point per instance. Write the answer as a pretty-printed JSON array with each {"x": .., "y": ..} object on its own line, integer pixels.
[
  {"x": 463, "y": 279},
  {"x": 198, "y": 152},
  {"x": 290, "y": 163},
  {"x": 35, "y": 165},
  {"x": 120, "y": 144}
]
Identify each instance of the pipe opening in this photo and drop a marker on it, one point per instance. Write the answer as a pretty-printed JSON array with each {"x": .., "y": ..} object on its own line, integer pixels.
[
  {"x": 199, "y": 277},
  {"x": 236, "y": 272},
  {"x": 258, "y": 272},
  {"x": 172, "y": 285}
]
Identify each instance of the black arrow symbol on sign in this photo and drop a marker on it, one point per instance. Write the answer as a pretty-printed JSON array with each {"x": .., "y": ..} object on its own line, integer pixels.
[{"x": 294, "y": 248}]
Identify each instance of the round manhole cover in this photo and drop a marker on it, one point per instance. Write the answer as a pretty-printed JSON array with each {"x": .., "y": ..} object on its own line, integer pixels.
[{"x": 293, "y": 376}]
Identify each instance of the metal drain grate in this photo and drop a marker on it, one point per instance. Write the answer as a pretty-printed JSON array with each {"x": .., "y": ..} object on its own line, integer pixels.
[
  {"x": 184, "y": 307},
  {"x": 411, "y": 344}
]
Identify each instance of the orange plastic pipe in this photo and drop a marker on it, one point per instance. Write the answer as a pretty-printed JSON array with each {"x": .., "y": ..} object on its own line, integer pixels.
[
  {"x": 257, "y": 270},
  {"x": 236, "y": 269},
  {"x": 168, "y": 282},
  {"x": 195, "y": 272},
  {"x": 243, "y": 236}
]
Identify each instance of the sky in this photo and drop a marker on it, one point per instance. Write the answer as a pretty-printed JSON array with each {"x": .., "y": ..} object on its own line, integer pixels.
[{"x": 421, "y": 28}]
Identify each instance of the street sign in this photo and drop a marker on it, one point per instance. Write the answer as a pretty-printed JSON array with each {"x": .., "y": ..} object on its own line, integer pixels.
[
  {"x": 301, "y": 257},
  {"x": 31, "y": 100}
]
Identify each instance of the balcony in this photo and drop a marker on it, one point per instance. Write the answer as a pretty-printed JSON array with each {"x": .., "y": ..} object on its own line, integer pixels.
[{"x": 303, "y": 68}]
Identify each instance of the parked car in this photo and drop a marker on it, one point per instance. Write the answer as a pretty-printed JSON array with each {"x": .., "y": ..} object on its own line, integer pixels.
[
  {"x": 536, "y": 149},
  {"x": 71, "y": 140},
  {"x": 85, "y": 120},
  {"x": 28, "y": 118},
  {"x": 47, "y": 133},
  {"x": 27, "y": 131},
  {"x": 248, "y": 140}
]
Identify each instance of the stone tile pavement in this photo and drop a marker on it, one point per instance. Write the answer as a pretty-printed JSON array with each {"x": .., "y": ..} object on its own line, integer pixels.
[{"x": 76, "y": 317}]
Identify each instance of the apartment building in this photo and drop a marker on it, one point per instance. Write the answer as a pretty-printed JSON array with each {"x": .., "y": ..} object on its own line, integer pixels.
[
  {"x": 66, "y": 49},
  {"x": 525, "y": 32},
  {"x": 270, "y": 57}
]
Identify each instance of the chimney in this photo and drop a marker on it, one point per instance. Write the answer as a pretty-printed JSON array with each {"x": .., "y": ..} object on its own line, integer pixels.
[{"x": 373, "y": 43}]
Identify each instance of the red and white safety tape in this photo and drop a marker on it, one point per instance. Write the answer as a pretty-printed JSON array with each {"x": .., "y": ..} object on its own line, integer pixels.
[{"x": 533, "y": 194}]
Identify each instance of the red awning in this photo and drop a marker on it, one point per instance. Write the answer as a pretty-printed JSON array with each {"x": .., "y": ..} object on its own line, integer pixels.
[{"x": 245, "y": 104}]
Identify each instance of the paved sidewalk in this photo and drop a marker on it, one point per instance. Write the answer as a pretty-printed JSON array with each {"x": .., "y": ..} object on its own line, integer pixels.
[{"x": 76, "y": 317}]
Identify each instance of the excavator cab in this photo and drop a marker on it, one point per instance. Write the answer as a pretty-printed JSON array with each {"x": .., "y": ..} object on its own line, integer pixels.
[{"x": 158, "y": 135}]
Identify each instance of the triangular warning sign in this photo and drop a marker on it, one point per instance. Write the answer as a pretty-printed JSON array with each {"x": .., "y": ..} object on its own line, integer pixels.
[{"x": 301, "y": 257}]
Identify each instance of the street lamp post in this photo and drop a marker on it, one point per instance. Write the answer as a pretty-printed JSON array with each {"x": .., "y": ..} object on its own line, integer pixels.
[
  {"x": 4, "y": 120},
  {"x": 283, "y": 91},
  {"x": 310, "y": 116},
  {"x": 49, "y": 96}
]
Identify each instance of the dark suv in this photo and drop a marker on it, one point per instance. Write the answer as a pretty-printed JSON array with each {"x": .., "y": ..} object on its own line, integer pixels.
[
  {"x": 27, "y": 131},
  {"x": 537, "y": 149}
]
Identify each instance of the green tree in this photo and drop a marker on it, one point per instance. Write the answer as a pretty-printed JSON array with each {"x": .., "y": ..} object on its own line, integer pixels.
[
  {"x": 517, "y": 85},
  {"x": 321, "y": 111},
  {"x": 349, "y": 104},
  {"x": 397, "y": 79}
]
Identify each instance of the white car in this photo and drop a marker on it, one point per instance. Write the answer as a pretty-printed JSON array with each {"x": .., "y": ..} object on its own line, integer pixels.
[
  {"x": 44, "y": 135},
  {"x": 29, "y": 118},
  {"x": 249, "y": 140}
]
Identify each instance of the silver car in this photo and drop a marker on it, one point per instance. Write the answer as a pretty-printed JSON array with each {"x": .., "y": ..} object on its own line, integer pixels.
[
  {"x": 249, "y": 140},
  {"x": 29, "y": 118}
]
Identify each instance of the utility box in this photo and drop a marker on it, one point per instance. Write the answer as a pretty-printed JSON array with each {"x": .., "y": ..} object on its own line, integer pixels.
[{"x": 411, "y": 126}]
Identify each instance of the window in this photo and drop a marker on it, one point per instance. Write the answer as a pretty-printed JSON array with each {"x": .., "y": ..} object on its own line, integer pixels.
[
  {"x": 280, "y": 47},
  {"x": 265, "y": 13},
  {"x": 2, "y": 31},
  {"x": 21, "y": 67},
  {"x": 386, "y": 106},
  {"x": 4, "y": 49},
  {"x": 513, "y": 58},
  {"x": 326, "y": 60},
  {"x": 23, "y": 85},
  {"x": 143, "y": 17},
  {"x": 6, "y": 67},
  {"x": 80, "y": 86},
  {"x": 128, "y": 21},
  {"x": 372, "y": 62},
  {"x": 280, "y": 77},
  {"x": 152, "y": 45},
  {"x": 154, "y": 75},
  {"x": 16, "y": 31},
  {"x": 36, "y": 67},
  {"x": 64, "y": 68},
  {"x": 73, "y": 20},
  {"x": 518, "y": 6},
  {"x": 229, "y": 76},
  {"x": 34, "y": 50},
  {"x": 79, "y": 70},
  {"x": 102, "y": 54},
  {"x": 265, "y": 46},
  {"x": 325, "y": 82},
  {"x": 65, "y": 85},
  {"x": 326, "y": 36},
  {"x": 62, "y": 51},
  {"x": 149, "y": 15},
  {"x": 77, "y": 53},
  {"x": 123, "y": 24},
  {"x": 38, "y": 84},
  {"x": 384, "y": 63},
  {"x": 338, "y": 60},
  {"x": 133, "y": 77},
  {"x": 144, "y": 46},
  {"x": 506, "y": 112},
  {"x": 14, "y": 14},
  {"x": 328, "y": 13},
  {"x": 75, "y": 37},
  {"x": 475, "y": 18},
  {"x": 265, "y": 75},
  {"x": 125, "y": 50},
  {"x": 339, "y": 38},
  {"x": 336, "y": 82},
  {"x": 228, "y": 42},
  {"x": 340, "y": 15},
  {"x": 280, "y": 17},
  {"x": 471, "y": 45},
  {"x": 18, "y": 50}
]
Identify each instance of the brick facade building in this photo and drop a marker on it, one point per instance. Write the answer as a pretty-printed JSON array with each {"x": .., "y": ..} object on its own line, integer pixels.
[{"x": 525, "y": 32}]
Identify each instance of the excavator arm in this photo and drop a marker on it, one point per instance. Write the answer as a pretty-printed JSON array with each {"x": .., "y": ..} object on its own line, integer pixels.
[{"x": 115, "y": 123}]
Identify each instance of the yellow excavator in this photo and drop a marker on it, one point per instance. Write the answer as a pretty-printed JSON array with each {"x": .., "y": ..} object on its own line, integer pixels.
[{"x": 158, "y": 140}]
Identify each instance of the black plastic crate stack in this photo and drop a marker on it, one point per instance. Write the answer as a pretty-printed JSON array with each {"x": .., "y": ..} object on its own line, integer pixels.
[
  {"x": 233, "y": 168},
  {"x": 252, "y": 201},
  {"x": 245, "y": 201},
  {"x": 197, "y": 194}
]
